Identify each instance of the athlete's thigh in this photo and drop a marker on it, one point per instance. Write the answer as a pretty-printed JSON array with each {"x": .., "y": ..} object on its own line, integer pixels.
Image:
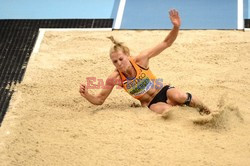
[{"x": 159, "y": 107}]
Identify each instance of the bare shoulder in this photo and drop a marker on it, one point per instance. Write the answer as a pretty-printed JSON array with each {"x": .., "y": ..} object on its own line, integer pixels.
[{"x": 114, "y": 78}]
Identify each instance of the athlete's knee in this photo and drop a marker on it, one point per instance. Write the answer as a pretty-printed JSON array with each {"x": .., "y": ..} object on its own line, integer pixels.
[{"x": 180, "y": 98}]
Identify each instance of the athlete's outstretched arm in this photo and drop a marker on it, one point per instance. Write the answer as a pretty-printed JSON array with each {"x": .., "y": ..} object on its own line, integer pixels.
[
  {"x": 167, "y": 42},
  {"x": 100, "y": 97}
]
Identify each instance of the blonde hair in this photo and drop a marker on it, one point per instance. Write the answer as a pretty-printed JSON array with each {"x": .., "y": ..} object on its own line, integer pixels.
[{"x": 118, "y": 46}]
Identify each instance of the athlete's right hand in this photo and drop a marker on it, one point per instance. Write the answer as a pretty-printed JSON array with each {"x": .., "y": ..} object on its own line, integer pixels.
[{"x": 83, "y": 90}]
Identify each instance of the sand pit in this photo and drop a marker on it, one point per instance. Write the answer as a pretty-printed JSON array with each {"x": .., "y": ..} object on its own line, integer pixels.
[{"x": 49, "y": 123}]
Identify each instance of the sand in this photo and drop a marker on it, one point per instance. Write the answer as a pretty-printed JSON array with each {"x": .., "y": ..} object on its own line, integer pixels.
[{"x": 49, "y": 123}]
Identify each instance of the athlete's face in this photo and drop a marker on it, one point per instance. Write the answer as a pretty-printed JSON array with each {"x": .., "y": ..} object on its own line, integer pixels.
[{"x": 120, "y": 60}]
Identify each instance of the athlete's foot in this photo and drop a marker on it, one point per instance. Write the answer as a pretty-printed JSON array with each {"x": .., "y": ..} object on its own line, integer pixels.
[{"x": 203, "y": 110}]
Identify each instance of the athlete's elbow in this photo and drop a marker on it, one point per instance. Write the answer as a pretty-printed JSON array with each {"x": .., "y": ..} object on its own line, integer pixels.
[
  {"x": 168, "y": 44},
  {"x": 99, "y": 101}
]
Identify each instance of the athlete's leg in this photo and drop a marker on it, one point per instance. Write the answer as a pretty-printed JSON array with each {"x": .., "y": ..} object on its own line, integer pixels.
[
  {"x": 177, "y": 97},
  {"x": 161, "y": 108},
  {"x": 195, "y": 102}
]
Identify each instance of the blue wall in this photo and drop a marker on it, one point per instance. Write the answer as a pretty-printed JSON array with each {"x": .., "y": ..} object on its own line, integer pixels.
[
  {"x": 43, "y": 9},
  {"x": 138, "y": 14},
  {"x": 246, "y": 9},
  {"x": 195, "y": 14}
]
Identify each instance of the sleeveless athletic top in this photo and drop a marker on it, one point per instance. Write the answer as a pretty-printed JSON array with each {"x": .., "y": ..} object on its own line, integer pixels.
[{"x": 141, "y": 83}]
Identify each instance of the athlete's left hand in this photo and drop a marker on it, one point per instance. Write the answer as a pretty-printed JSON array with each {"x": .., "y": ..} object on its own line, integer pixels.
[{"x": 174, "y": 17}]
